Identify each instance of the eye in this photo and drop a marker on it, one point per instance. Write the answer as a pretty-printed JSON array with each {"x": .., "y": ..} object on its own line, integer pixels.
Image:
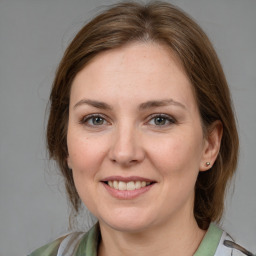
[
  {"x": 94, "y": 120},
  {"x": 161, "y": 120}
]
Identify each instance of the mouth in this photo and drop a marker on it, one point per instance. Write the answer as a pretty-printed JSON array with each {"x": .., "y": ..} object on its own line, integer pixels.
[
  {"x": 132, "y": 183},
  {"x": 128, "y": 186}
]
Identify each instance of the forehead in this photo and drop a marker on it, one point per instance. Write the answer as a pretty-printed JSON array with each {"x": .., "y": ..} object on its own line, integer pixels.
[
  {"x": 129, "y": 56},
  {"x": 145, "y": 69}
]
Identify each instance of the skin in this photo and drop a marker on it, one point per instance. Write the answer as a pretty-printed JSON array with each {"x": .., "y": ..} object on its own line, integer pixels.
[{"x": 126, "y": 139}]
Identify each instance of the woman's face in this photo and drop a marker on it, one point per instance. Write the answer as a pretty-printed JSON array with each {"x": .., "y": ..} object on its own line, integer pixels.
[{"x": 134, "y": 138}]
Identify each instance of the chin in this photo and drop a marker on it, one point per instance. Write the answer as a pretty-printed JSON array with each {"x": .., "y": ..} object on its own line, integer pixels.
[
  {"x": 127, "y": 222},
  {"x": 128, "y": 227}
]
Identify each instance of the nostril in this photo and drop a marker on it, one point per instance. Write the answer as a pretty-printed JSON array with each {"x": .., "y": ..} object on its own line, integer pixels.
[{"x": 124, "y": 160}]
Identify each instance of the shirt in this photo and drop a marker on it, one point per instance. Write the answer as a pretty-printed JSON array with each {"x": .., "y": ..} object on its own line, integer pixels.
[{"x": 86, "y": 244}]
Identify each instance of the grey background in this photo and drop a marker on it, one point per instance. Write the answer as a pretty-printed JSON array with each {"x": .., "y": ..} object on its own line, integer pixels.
[{"x": 33, "y": 36}]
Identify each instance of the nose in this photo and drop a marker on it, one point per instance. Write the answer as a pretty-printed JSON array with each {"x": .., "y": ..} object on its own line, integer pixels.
[{"x": 126, "y": 147}]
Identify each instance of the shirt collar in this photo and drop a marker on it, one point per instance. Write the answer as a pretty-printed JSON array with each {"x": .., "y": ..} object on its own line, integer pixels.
[
  {"x": 90, "y": 242},
  {"x": 210, "y": 242}
]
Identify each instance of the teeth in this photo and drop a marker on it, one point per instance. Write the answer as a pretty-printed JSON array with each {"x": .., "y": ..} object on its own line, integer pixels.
[
  {"x": 131, "y": 185},
  {"x": 122, "y": 185},
  {"x": 138, "y": 185},
  {"x": 115, "y": 184}
]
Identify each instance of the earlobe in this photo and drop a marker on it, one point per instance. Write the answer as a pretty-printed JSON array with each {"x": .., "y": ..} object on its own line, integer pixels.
[
  {"x": 211, "y": 145},
  {"x": 69, "y": 163}
]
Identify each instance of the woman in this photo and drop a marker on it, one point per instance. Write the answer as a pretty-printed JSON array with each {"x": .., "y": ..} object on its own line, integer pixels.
[{"x": 142, "y": 127}]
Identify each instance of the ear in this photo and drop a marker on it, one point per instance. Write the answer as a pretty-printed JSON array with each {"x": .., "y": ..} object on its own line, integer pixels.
[
  {"x": 69, "y": 162},
  {"x": 211, "y": 146}
]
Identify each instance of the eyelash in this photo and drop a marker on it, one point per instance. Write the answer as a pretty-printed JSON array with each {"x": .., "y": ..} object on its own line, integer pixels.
[
  {"x": 85, "y": 120},
  {"x": 167, "y": 118}
]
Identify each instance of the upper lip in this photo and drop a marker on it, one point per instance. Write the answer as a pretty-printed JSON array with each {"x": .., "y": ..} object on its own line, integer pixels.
[{"x": 126, "y": 179}]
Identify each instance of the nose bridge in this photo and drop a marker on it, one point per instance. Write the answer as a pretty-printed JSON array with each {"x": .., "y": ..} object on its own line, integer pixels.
[{"x": 126, "y": 147}]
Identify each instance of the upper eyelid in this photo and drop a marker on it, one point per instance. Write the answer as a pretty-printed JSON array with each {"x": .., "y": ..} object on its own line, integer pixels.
[
  {"x": 160, "y": 114},
  {"x": 167, "y": 116},
  {"x": 85, "y": 118}
]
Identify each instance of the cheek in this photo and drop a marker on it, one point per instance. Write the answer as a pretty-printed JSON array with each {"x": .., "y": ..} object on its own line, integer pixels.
[
  {"x": 85, "y": 154},
  {"x": 85, "y": 157},
  {"x": 176, "y": 156}
]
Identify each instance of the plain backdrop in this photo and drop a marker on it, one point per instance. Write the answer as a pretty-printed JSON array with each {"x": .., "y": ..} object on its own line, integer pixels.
[{"x": 33, "y": 36}]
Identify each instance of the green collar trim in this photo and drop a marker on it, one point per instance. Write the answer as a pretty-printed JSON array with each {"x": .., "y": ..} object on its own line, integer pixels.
[
  {"x": 210, "y": 241},
  {"x": 50, "y": 249},
  {"x": 89, "y": 243}
]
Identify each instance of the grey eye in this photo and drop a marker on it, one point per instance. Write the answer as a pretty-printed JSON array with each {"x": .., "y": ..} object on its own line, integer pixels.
[
  {"x": 93, "y": 120},
  {"x": 97, "y": 120},
  {"x": 160, "y": 120}
]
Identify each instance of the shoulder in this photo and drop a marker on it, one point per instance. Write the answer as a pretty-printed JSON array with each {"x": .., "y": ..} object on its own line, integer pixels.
[
  {"x": 59, "y": 246},
  {"x": 49, "y": 249},
  {"x": 227, "y": 246},
  {"x": 217, "y": 242},
  {"x": 77, "y": 243}
]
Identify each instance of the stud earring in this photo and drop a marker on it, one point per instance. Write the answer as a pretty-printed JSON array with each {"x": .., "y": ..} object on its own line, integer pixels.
[{"x": 207, "y": 164}]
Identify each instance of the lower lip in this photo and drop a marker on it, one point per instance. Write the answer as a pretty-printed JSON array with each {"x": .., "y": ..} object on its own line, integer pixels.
[{"x": 127, "y": 194}]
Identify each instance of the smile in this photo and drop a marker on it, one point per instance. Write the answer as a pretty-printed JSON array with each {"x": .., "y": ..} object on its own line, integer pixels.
[
  {"x": 127, "y": 187},
  {"x": 131, "y": 185}
]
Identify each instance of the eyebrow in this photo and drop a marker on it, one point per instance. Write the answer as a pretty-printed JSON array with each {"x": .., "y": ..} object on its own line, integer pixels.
[
  {"x": 142, "y": 106},
  {"x": 93, "y": 103},
  {"x": 160, "y": 103}
]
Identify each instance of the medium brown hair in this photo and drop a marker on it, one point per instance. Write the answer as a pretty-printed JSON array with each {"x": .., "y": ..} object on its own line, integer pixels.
[{"x": 162, "y": 23}]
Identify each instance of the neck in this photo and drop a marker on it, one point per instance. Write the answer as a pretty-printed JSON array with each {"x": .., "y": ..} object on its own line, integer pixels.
[{"x": 172, "y": 238}]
